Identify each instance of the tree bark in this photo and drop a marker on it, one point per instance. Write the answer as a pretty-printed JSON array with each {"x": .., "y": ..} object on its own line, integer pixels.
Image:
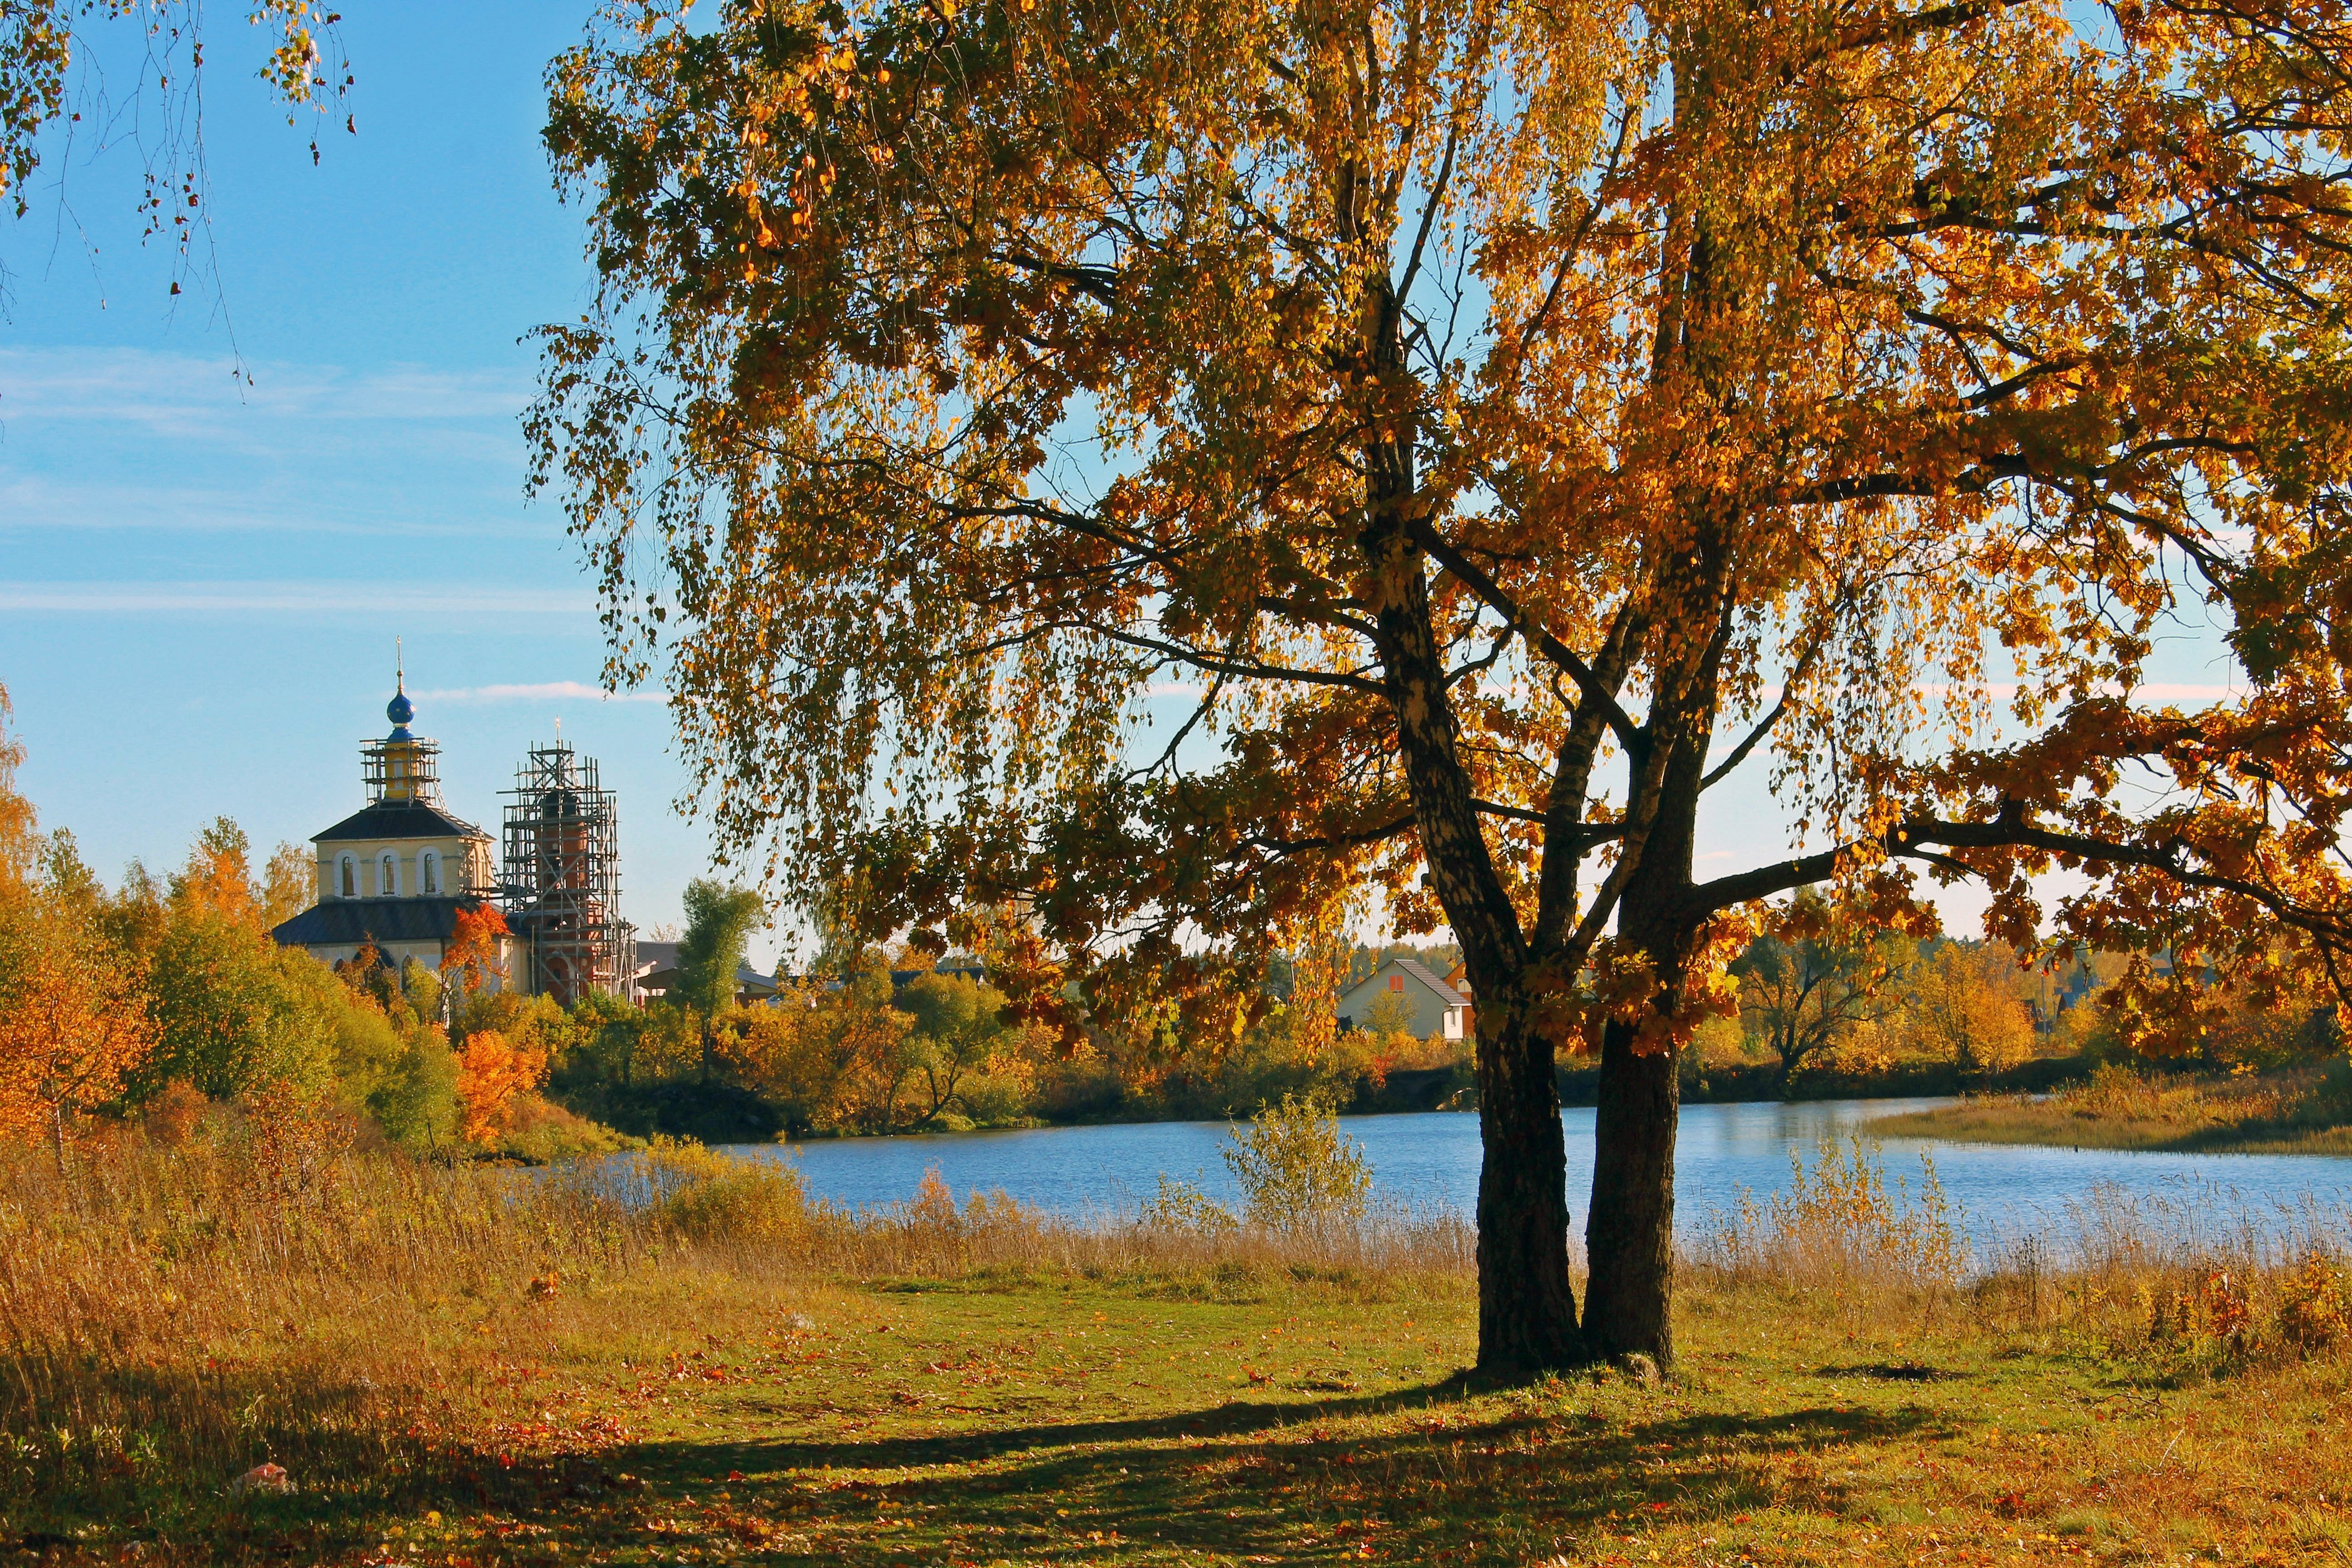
[
  {"x": 1526, "y": 1306},
  {"x": 1630, "y": 1234}
]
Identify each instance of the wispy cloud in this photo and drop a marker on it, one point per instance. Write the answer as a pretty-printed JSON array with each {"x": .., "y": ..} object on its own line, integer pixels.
[
  {"x": 181, "y": 394},
  {"x": 41, "y": 502},
  {"x": 539, "y": 691},
  {"x": 281, "y": 597}
]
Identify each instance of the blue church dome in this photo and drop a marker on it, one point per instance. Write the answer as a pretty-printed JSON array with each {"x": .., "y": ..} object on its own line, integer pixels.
[{"x": 400, "y": 710}]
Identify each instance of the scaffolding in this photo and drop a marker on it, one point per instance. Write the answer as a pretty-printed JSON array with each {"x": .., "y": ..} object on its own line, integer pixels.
[
  {"x": 402, "y": 768},
  {"x": 561, "y": 881}
]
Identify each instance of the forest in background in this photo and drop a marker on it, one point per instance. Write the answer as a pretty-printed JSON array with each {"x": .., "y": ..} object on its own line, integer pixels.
[{"x": 163, "y": 997}]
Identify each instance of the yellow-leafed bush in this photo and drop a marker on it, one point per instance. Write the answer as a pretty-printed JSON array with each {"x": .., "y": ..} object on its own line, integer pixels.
[{"x": 1297, "y": 1171}]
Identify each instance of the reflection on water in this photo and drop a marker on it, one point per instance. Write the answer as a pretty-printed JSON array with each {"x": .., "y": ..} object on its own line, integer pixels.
[{"x": 1434, "y": 1160}]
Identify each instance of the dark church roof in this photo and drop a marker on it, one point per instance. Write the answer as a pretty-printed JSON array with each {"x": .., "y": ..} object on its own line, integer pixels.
[
  {"x": 345, "y": 922},
  {"x": 399, "y": 819}
]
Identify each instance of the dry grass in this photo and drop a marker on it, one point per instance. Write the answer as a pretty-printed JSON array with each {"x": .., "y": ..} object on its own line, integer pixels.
[
  {"x": 275, "y": 1294},
  {"x": 457, "y": 1364},
  {"x": 2302, "y": 1110}
]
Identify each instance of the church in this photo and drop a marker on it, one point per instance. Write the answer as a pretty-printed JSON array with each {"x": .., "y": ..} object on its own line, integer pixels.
[{"x": 397, "y": 872}]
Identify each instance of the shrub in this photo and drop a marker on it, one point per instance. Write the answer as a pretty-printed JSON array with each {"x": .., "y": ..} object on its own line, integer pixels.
[
  {"x": 1181, "y": 1206},
  {"x": 2312, "y": 1310},
  {"x": 1297, "y": 1171},
  {"x": 709, "y": 1197}
]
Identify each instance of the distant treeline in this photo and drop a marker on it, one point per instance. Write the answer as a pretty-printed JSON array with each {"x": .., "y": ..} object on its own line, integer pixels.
[{"x": 163, "y": 997}]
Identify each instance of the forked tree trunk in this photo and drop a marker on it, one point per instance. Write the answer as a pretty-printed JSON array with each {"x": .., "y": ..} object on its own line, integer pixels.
[
  {"x": 1526, "y": 1306},
  {"x": 1629, "y": 1235}
]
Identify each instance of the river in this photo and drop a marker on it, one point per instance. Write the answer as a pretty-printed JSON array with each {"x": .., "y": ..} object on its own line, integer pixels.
[{"x": 2001, "y": 1192}]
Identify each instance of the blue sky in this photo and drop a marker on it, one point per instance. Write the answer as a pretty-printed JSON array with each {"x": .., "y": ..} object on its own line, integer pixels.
[{"x": 201, "y": 579}]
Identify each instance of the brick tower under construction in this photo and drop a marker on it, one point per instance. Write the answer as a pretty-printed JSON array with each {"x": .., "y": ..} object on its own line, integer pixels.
[{"x": 560, "y": 879}]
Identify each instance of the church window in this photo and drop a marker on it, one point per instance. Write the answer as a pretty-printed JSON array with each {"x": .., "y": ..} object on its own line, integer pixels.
[
  {"x": 387, "y": 876},
  {"x": 428, "y": 872},
  {"x": 351, "y": 877}
]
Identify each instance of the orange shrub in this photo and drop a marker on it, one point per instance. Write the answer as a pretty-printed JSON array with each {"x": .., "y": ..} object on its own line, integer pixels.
[{"x": 491, "y": 1071}]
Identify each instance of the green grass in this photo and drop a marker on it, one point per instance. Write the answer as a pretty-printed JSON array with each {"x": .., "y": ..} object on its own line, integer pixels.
[
  {"x": 2306, "y": 1111},
  {"x": 1239, "y": 1418}
]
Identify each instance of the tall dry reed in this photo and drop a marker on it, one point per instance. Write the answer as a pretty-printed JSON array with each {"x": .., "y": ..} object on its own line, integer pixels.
[
  {"x": 2193, "y": 1274},
  {"x": 264, "y": 1290}
]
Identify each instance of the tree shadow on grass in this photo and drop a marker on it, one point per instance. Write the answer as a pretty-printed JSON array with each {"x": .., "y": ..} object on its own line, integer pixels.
[
  {"x": 1275, "y": 1480},
  {"x": 1442, "y": 1479}
]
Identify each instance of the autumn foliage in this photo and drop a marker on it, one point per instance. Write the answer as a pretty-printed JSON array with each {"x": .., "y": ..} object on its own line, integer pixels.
[
  {"x": 470, "y": 958},
  {"x": 492, "y": 1071},
  {"x": 72, "y": 1029},
  {"x": 1226, "y": 466}
]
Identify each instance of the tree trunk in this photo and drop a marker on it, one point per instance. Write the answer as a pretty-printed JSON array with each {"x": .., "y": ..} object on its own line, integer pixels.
[
  {"x": 1630, "y": 1234},
  {"x": 1526, "y": 1306}
]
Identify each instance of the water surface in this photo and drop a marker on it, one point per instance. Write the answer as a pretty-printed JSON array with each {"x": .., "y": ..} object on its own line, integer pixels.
[{"x": 2001, "y": 1190}]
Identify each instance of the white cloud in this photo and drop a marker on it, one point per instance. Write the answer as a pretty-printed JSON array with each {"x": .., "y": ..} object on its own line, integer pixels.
[
  {"x": 541, "y": 691},
  {"x": 40, "y": 502},
  {"x": 280, "y": 597},
  {"x": 2175, "y": 692},
  {"x": 181, "y": 394}
]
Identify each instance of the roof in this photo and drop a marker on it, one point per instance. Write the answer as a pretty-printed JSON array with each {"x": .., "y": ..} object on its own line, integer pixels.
[
  {"x": 343, "y": 922},
  {"x": 664, "y": 976},
  {"x": 399, "y": 819},
  {"x": 1421, "y": 972}
]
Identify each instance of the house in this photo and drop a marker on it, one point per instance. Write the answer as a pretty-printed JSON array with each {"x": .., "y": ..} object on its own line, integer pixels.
[
  {"x": 1436, "y": 1010},
  {"x": 397, "y": 872},
  {"x": 1459, "y": 978},
  {"x": 656, "y": 972}
]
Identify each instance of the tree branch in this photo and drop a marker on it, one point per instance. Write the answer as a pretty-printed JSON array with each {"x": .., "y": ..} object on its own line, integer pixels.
[{"x": 1558, "y": 653}]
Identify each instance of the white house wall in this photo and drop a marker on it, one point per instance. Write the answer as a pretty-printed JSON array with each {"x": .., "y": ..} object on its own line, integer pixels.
[{"x": 1432, "y": 1015}]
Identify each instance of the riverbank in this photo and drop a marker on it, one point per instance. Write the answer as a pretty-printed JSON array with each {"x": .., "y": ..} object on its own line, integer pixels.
[
  {"x": 530, "y": 1375},
  {"x": 2301, "y": 1111},
  {"x": 1455, "y": 1087}
]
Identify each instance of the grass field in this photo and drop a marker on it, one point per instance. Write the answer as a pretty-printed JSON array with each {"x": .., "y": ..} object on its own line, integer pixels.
[
  {"x": 493, "y": 1375},
  {"x": 2306, "y": 1111}
]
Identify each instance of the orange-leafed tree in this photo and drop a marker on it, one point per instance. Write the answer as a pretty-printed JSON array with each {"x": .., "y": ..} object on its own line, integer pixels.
[
  {"x": 72, "y": 1026},
  {"x": 217, "y": 879},
  {"x": 471, "y": 957},
  {"x": 19, "y": 844},
  {"x": 493, "y": 1072},
  {"x": 1222, "y": 465}
]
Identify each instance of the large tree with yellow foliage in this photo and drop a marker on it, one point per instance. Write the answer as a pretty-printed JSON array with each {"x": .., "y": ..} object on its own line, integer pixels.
[{"x": 1501, "y": 423}]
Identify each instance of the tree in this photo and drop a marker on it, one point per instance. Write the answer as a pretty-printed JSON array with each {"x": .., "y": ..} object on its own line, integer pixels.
[
  {"x": 493, "y": 1072},
  {"x": 1964, "y": 1007},
  {"x": 19, "y": 844},
  {"x": 1503, "y": 423},
  {"x": 1809, "y": 983},
  {"x": 233, "y": 1013},
  {"x": 960, "y": 1026},
  {"x": 218, "y": 878},
  {"x": 719, "y": 926},
  {"x": 1389, "y": 1015},
  {"x": 476, "y": 937},
  {"x": 290, "y": 884},
  {"x": 47, "y": 85},
  {"x": 71, "y": 1026}
]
